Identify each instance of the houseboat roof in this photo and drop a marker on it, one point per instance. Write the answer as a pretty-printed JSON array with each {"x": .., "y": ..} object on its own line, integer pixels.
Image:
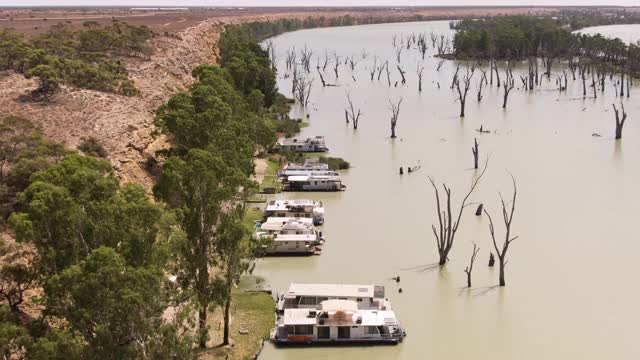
[
  {"x": 326, "y": 290},
  {"x": 348, "y": 316},
  {"x": 282, "y": 223},
  {"x": 295, "y": 141},
  {"x": 295, "y": 237},
  {"x": 299, "y": 178},
  {"x": 275, "y": 205}
]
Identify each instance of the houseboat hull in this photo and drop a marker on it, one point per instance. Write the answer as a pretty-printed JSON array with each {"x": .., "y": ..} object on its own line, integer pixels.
[{"x": 302, "y": 340}]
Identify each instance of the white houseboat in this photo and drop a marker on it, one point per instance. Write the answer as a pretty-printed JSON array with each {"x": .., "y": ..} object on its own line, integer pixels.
[
  {"x": 314, "y": 183},
  {"x": 302, "y": 208},
  {"x": 291, "y": 236},
  {"x": 311, "y": 296},
  {"x": 315, "y": 144},
  {"x": 337, "y": 321}
]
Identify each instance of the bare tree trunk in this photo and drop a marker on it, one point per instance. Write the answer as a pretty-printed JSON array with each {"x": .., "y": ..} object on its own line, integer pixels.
[
  {"x": 508, "y": 210},
  {"x": 619, "y": 121},
  {"x": 469, "y": 269},
  {"x": 475, "y": 151},
  {"x": 447, "y": 227},
  {"x": 227, "y": 308},
  {"x": 202, "y": 326}
]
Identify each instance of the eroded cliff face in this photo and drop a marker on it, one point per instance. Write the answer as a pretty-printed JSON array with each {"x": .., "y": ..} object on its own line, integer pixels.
[{"x": 124, "y": 125}]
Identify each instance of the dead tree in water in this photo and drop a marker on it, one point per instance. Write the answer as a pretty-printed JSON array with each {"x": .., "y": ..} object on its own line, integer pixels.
[
  {"x": 422, "y": 45},
  {"x": 326, "y": 60},
  {"x": 619, "y": 121},
  {"x": 399, "y": 54},
  {"x": 404, "y": 81},
  {"x": 419, "y": 71},
  {"x": 337, "y": 65},
  {"x": 494, "y": 67},
  {"x": 462, "y": 94},
  {"x": 324, "y": 84},
  {"x": 381, "y": 69},
  {"x": 507, "y": 216},
  {"x": 509, "y": 83},
  {"x": 352, "y": 63},
  {"x": 395, "y": 111},
  {"x": 455, "y": 77},
  {"x": 447, "y": 228},
  {"x": 350, "y": 112},
  {"x": 479, "y": 90},
  {"x": 303, "y": 90},
  {"x": 372, "y": 72},
  {"x": 388, "y": 72},
  {"x": 469, "y": 268},
  {"x": 476, "y": 153},
  {"x": 306, "y": 55},
  {"x": 440, "y": 65}
]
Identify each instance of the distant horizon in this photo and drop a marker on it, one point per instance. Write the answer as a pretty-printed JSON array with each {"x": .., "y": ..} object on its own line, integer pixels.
[{"x": 307, "y": 3}]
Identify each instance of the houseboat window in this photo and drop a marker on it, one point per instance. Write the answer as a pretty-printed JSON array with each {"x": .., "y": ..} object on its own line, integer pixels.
[
  {"x": 324, "y": 332},
  {"x": 308, "y": 300},
  {"x": 321, "y": 299},
  {"x": 359, "y": 299},
  {"x": 303, "y": 329},
  {"x": 371, "y": 330}
]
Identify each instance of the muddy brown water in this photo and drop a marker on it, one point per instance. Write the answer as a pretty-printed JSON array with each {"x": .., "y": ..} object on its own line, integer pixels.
[{"x": 571, "y": 289}]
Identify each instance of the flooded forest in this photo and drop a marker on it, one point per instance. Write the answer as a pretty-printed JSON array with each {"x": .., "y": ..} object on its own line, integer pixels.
[{"x": 473, "y": 131}]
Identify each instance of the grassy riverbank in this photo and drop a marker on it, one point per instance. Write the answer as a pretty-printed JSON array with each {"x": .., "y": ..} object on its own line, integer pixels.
[{"x": 253, "y": 316}]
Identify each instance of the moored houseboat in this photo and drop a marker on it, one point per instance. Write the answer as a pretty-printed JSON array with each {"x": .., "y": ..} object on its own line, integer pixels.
[
  {"x": 337, "y": 321},
  {"x": 302, "y": 208},
  {"x": 314, "y": 183},
  {"x": 291, "y": 236},
  {"x": 315, "y": 144},
  {"x": 311, "y": 296}
]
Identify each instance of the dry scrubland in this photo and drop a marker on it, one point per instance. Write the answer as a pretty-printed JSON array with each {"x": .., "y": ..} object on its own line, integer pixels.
[{"x": 184, "y": 40}]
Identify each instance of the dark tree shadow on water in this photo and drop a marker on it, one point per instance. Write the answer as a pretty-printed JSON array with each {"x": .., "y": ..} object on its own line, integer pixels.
[
  {"x": 479, "y": 291},
  {"x": 423, "y": 268}
]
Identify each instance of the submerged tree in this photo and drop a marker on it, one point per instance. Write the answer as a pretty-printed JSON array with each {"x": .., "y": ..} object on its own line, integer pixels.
[
  {"x": 469, "y": 268},
  {"x": 507, "y": 217},
  {"x": 395, "y": 111},
  {"x": 462, "y": 92},
  {"x": 619, "y": 121},
  {"x": 351, "y": 113},
  {"x": 509, "y": 83},
  {"x": 447, "y": 228},
  {"x": 476, "y": 153},
  {"x": 420, "y": 71}
]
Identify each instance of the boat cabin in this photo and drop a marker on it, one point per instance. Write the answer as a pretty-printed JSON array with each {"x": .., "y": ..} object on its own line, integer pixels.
[
  {"x": 315, "y": 144},
  {"x": 314, "y": 183},
  {"x": 291, "y": 236},
  {"x": 302, "y": 208},
  {"x": 310, "y": 296},
  {"x": 337, "y": 321}
]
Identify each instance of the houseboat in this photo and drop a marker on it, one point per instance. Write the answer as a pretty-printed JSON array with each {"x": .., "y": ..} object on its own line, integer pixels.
[
  {"x": 291, "y": 236},
  {"x": 314, "y": 183},
  {"x": 315, "y": 144},
  {"x": 337, "y": 321},
  {"x": 302, "y": 208},
  {"x": 311, "y": 296}
]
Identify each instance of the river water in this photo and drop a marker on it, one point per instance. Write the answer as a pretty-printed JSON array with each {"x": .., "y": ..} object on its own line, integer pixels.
[
  {"x": 626, "y": 33},
  {"x": 572, "y": 275}
]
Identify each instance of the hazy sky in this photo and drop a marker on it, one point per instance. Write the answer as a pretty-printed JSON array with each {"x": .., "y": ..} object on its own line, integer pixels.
[{"x": 179, "y": 3}]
